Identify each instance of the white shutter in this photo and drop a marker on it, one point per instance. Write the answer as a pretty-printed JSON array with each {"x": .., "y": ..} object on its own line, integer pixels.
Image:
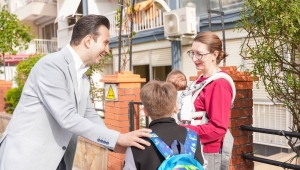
[
  {"x": 188, "y": 66},
  {"x": 270, "y": 116},
  {"x": 161, "y": 57},
  {"x": 233, "y": 48},
  {"x": 140, "y": 57}
]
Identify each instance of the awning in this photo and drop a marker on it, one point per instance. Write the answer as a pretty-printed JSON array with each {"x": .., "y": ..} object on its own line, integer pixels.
[{"x": 68, "y": 8}]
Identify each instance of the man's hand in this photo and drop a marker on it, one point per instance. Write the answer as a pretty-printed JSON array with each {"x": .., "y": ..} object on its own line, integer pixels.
[{"x": 133, "y": 139}]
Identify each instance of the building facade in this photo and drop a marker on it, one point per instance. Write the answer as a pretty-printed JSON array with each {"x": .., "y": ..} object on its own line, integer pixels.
[{"x": 40, "y": 16}]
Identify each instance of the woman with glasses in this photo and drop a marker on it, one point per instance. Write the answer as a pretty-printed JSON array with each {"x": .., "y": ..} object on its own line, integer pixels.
[{"x": 214, "y": 99}]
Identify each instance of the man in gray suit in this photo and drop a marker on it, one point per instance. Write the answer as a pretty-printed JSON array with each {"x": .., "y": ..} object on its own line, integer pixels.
[{"x": 55, "y": 107}]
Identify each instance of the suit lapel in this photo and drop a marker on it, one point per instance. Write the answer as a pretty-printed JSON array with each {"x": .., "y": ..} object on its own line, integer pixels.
[
  {"x": 84, "y": 93},
  {"x": 72, "y": 71},
  {"x": 85, "y": 85},
  {"x": 73, "y": 74}
]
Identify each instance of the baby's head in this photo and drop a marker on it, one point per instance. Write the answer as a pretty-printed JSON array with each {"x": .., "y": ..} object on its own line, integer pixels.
[
  {"x": 178, "y": 79},
  {"x": 159, "y": 99}
]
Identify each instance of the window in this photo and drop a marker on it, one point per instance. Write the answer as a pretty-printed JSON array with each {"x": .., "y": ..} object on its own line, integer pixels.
[
  {"x": 160, "y": 73},
  {"x": 143, "y": 71},
  {"x": 49, "y": 31}
]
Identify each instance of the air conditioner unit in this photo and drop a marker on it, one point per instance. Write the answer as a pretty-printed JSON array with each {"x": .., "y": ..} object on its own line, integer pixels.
[{"x": 180, "y": 22}]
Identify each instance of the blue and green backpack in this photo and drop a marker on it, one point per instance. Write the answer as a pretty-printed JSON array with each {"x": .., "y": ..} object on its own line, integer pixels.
[{"x": 178, "y": 156}]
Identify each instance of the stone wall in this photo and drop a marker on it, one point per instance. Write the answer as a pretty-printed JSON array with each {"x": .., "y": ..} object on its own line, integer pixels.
[{"x": 90, "y": 155}]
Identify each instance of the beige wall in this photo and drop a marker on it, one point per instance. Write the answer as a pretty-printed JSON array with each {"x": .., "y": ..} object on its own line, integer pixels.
[
  {"x": 2, "y": 2},
  {"x": 34, "y": 28},
  {"x": 102, "y": 7}
]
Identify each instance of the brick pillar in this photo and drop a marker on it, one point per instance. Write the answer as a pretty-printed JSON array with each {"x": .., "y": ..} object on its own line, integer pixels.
[
  {"x": 241, "y": 114},
  {"x": 116, "y": 112},
  {"x": 4, "y": 87}
]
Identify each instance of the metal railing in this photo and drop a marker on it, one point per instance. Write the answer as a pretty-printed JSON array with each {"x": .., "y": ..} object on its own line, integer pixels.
[
  {"x": 136, "y": 108},
  {"x": 41, "y": 46},
  {"x": 36, "y": 46},
  {"x": 143, "y": 20},
  {"x": 17, "y": 4},
  {"x": 286, "y": 134}
]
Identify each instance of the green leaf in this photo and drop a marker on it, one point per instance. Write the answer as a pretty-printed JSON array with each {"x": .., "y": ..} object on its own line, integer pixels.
[{"x": 16, "y": 35}]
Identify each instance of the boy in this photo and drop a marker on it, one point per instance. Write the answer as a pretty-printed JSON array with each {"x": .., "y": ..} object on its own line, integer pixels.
[
  {"x": 159, "y": 100},
  {"x": 185, "y": 105}
]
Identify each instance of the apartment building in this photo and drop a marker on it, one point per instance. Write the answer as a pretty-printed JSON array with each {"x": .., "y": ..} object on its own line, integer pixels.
[
  {"x": 2, "y": 3},
  {"x": 40, "y": 16},
  {"x": 152, "y": 53}
]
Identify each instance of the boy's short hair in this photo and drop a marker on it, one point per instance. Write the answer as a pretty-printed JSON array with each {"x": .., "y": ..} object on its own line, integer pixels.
[
  {"x": 159, "y": 99},
  {"x": 178, "y": 79}
]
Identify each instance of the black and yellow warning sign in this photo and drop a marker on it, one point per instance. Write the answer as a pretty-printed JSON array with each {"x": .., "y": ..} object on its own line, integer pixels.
[{"x": 111, "y": 92}]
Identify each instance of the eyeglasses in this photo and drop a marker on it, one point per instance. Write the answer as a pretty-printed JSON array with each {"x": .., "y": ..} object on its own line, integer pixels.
[{"x": 191, "y": 54}]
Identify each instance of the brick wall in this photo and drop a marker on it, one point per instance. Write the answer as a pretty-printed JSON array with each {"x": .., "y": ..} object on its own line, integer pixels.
[
  {"x": 4, "y": 87},
  {"x": 242, "y": 114},
  {"x": 116, "y": 112}
]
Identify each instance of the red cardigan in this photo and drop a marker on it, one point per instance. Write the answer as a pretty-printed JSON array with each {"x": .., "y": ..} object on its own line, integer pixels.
[{"x": 215, "y": 99}]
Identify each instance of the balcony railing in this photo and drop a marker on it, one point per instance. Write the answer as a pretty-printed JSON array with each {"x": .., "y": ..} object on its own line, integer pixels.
[
  {"x": 17, "y": 4},
  {"x": 36, "y": 46},
  {"x": 41, "y": 46},
  {"x": 142, "y": 20}
]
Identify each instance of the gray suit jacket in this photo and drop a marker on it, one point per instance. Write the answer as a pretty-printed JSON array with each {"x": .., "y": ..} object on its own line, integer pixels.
[{"x": 49, "y": 117}]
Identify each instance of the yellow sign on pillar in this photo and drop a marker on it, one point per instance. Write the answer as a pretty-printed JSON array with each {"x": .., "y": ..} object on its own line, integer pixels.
[{"x": 111, "y": 92}]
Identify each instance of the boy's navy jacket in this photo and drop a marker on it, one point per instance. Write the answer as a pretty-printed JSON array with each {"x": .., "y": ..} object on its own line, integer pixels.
[{"x": 150, "y": 158}]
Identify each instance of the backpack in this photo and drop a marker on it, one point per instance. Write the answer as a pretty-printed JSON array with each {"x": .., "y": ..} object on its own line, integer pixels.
[
  {"x": 178, "y": 156},
  {"x": 194, "y": 90}
]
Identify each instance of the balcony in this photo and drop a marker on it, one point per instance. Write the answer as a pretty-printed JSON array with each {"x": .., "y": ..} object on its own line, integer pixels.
[
  {"x": 31, "y": 10},
  {"x": 41, "y": 46},
  {"x": 36, "y": 46},
  {"x": 143, "y": 20}
]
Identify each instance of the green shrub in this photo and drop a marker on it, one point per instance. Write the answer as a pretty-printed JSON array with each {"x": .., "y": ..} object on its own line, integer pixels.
[
  {"x": 24, "y": 68},
  {"x": 13, "y": 95},
  {"x": 12, "y": 98}
]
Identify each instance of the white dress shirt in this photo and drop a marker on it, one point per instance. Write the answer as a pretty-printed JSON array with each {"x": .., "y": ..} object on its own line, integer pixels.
[{"x": 80, "y": 68}]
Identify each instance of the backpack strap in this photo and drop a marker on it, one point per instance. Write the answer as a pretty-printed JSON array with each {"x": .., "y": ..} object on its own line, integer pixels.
[
  {"x": 190, "y": 143},
  {"x": 162, "y": 147},
  {"x": 198, "y": 87}
]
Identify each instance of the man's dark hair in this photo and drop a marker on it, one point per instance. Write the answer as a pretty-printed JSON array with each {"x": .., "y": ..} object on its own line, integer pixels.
[{"x": 88, "y": 25}]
